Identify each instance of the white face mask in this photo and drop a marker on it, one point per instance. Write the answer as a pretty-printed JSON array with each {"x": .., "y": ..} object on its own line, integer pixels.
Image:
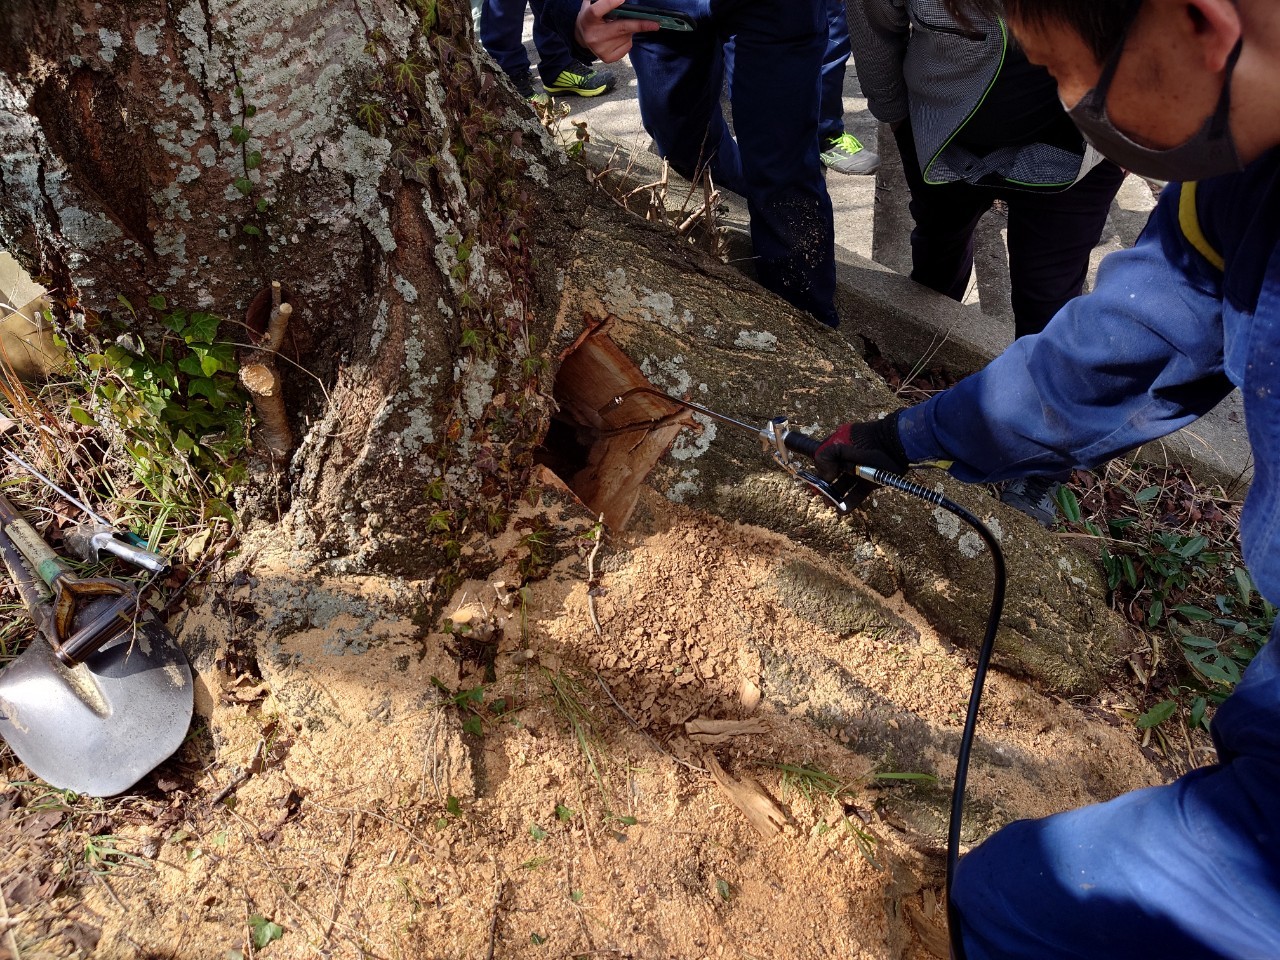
[{"x": 1210, "y": 151}]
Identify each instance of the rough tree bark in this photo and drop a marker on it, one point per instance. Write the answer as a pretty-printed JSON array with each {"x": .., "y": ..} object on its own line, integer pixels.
[
  {"x": 444, "y": 263},
  {"x": 465, "y": 306}
]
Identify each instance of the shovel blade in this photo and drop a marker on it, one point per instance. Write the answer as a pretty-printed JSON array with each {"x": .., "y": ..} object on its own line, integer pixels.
[{"x": 99, "y": 727}]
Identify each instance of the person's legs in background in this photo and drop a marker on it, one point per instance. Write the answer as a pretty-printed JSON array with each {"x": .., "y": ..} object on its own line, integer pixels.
[
  {"x": 779, "y": 46},
  {"x": 1051, "y": 236},
  {"x": 502, "y": 35},
  {"x": 945, "y": 217},
  {"x": 679, "y": 77},
  {"x": 840, "y": 151}
]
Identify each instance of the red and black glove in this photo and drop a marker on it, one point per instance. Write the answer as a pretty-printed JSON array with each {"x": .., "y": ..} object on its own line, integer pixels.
[{"x": 875, "y": 443}]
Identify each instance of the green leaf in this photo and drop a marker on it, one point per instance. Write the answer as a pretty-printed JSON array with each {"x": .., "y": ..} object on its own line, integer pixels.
[
  {"x": 563, "y": 813},
  {"x": 244, "y": 185},
  {"x": 723, "y": 888},
  {"x": 1157, "y": 715},
  {"x": 81, "y": 416},
  {"x": 627, "y": 821},
  {"x": 1196, "y": 717},
  {"x": 1130, "y": 573},
  {"x": 1192, "y": 547},
  {"x": 1201, "y": 643},
  {"x": 250, "y": 230},
  {"x": 1244, "y": 584},
  {"x": 203, "y": 328},
  {"x": 239, "y": 135},
  {"x": 1069, "y": 504},
  {"x": 204, "y": 387},
  {"x": 1156, "y": 613},
  {"x": 209, "y": 365},
  {"x": 576, "y": 896},
  {"x": 254, "y": 160},
  {"x": 250, "y": 110},
  {"x": 1192, "y": 612},
  {"x": 262, "y": 205},
  {"x": 537, "y": 832},
  {"x": 474, "y": 726},
  {"x": 190, "y": 365},
  {"x": 264, "y": 931},
  {"x": 537, "y": 939},
  {"x": 1146, "y": 495},
  {"x": 453, "y": 805},
  {"x": 156, "y": 302}
]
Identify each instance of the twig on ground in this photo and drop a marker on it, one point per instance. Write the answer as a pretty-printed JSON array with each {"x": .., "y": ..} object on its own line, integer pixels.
[
  {"x": 591, "y": 576},
  {"x": 7, "y": 925},
  {"x": 499, "y": 888},
  {"x": 111, "y": 892},
  {"x": 243, "y": 776},
  {"x": 356, "y": 820},
  {"x": 387, "y": 820},
  {"x": 645, "y": 733}
]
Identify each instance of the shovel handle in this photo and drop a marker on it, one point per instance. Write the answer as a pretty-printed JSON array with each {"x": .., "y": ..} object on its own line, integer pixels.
[
  {"x": 106, "y": 624},
  {"x": 43, "y": 560},
  {"x": 29, "y": 589}
]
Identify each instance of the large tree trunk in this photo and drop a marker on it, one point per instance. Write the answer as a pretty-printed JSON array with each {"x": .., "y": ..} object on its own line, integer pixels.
[
  {"x": 465, "y": 307},
  {"x": 444, "y": 263},
  {"x": 368, "y": 158}
]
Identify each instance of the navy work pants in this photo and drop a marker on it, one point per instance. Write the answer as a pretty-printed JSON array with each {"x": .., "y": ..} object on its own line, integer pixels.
[
  {"x": 831, "y": 119},
  {"x": 1187, "y": 870},
  {"x": 502, "y": 36},
  {"x": 831, "y": 99},
  {"x": 1051, "y": 235},
  {"x": 779, "y": 45}
]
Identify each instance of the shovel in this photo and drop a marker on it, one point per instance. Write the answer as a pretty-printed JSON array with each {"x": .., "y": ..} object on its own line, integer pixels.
[{"x": 108, "y": 697}]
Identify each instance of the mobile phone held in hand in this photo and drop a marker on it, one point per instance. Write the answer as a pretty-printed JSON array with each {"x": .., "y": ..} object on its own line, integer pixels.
[{"x": 665, "y": 19}]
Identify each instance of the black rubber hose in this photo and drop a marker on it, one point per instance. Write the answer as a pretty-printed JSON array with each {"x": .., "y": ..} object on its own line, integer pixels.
[{"x": 888, "y": 479}]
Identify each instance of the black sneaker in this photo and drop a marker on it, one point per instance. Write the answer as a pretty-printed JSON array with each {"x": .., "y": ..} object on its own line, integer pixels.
[
  {"x": 523, "y": 82},
  {"x": 582, "y": 80},
  {"x": 1037, "y": 497}
]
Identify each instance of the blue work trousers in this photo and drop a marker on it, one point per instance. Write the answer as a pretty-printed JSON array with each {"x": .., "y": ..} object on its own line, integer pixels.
[
  {"x": 831, "y": 100},
  {"x": 779, "y": 46},
  {"x": 831, "y": 121},
  {"x": 1188, "y": 870},
  {"x": 502, "y": 36}
]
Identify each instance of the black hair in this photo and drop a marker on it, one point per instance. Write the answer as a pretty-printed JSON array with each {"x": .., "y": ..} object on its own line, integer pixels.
[{"x": 1100, "y": 23}]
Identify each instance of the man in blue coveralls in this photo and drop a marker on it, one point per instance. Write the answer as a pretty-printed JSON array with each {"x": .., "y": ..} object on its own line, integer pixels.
[
  {"x": 779, "y": 47},
  {"x": 1179, "y": 90}
]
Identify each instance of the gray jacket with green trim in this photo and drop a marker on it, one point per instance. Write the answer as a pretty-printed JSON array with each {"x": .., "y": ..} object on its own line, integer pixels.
[{"x": 915, "y": 60}]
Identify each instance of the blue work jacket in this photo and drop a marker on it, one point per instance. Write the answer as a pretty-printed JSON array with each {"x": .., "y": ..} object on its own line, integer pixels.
[{"x": 1172, "y": 324}]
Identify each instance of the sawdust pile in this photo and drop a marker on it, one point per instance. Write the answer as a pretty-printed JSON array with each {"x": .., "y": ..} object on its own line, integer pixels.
[{"x": 701, "y": 778}]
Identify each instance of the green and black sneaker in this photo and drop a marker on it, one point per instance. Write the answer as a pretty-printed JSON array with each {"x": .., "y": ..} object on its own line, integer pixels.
[
  {"x": 582, "y": 80},
  {"x": 846, "y": 154}
]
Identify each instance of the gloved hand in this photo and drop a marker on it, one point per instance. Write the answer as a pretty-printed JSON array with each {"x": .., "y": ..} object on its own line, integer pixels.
[{"x": 875, "y": 443}]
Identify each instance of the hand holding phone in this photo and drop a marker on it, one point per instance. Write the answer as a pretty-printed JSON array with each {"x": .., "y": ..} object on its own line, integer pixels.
[
  {"x": 608, "y": 39},
  {"x": 665, "y": 19}
]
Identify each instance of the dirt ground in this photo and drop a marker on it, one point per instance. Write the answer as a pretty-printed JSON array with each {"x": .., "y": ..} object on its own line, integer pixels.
[{"x": 736, "y": 763}]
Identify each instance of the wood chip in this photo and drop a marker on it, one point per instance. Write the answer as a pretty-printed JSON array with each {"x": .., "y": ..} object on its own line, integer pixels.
[
  {"x": 749, "y": 797},
  {"x": 703, "y": 730},
  {"x": 749, "y": 694},
  {"x": 933, "y": 937}
]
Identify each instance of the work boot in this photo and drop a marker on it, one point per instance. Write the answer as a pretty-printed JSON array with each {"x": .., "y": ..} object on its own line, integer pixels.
[
  {"x": 846, "y": 154},
  {"x": 1037, "y": 497},
  {"x": 523, "y": 82},
  {"x": 582, "y": 80}
]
